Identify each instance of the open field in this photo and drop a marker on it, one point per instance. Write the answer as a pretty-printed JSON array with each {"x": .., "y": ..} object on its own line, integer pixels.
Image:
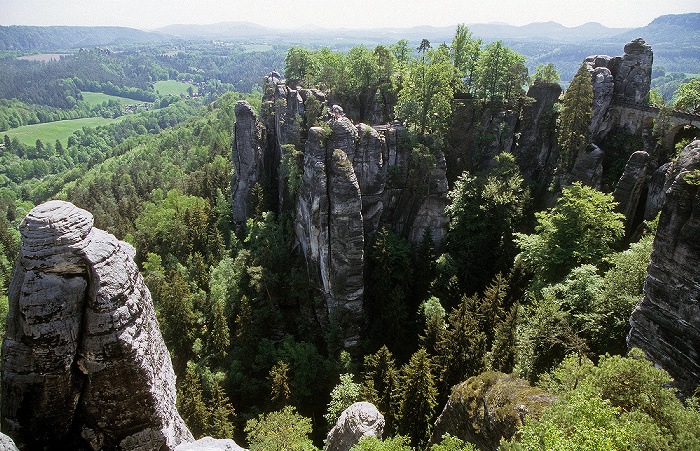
[
  {"x": 173, "y": 87},
  {"x": 97, "y": 98},
  {"x": 51, "y": 131},
  {"x": 44, "y": 57}
]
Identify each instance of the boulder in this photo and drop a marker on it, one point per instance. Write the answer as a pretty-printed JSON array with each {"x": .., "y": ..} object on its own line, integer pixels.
[
  {"x": 83, "y": 361},
  {"x": 629, "y": 188},
  {"x": 361, "y": 419},
  {"x": 489, "y": 407},
  {"x": 210, "y": 444},
  {"x": 666, "y": 322},
  {"x": 6, "y": 443}
]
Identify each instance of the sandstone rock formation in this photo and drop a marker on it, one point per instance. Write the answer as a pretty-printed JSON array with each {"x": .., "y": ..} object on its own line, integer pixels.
[
  {"x": 666, "y": 322},
  {"x": 210, "y": 444},
  {"x": 633, "y": 75},
  {"x": 628, "y": 191},
  {"x": 486, "y": 408},
  {"x": 588, "y": 167},
  {"x": 361, "y": 419},
  {"x": 83, "y": 361},
  {"x": 247, "y": 160}
]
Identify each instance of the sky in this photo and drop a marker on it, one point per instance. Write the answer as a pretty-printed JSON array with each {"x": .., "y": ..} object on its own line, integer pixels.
[{"x": 153, "y": 14}]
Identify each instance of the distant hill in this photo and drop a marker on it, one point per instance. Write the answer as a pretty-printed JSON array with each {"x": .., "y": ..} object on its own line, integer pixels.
[
  {"x": 28, "y": 38},
  {"x": 669, "y": 29}
]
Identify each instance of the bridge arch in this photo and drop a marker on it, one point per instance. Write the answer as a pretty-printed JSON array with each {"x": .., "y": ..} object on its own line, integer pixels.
[{"x": 681, "y": 132}]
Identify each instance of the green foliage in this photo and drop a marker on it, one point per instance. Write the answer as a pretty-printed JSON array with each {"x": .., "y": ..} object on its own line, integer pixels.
[
  {"x": 465, "y": 52},
  {"x": 281, "y": 430},
  {"x": 687, "y": 96},
  {"x": 483, "y": 213},
  {"x": 451, "y": 443},
  {"x": 280, "y": 394},
  {"x": 292, "y": 167},
  {"x": 582, "y": 228},
  {"x": 546, "y": 73},
  {"x": 625, "y": 398},
  {"x": 299, "y": 64},
  {"x": 380, "y": 386},
  {"x": 575, "y": 119},
  {"x": 191, "y": 404},
  {"x": 345, "y": 394},
  {"x": 502, "y": 73},
  {"x": 424, "y": 100},
  {"x": 396, "y": 443},
  {"x": 418, "y": 398}
]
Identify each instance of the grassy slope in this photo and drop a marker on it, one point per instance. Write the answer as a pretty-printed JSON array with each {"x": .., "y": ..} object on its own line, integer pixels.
[
  {"x": 172, "y": 87},
  {"x": 97, "y": 98},
  {"x": 52, "y": 131}
]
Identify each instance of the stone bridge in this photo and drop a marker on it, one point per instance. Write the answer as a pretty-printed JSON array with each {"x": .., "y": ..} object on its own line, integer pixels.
[{"x": 640, "y": 118}]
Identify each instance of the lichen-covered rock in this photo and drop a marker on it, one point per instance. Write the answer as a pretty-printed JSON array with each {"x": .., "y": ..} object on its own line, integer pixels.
[
  {"x": 210, "y": 444},
  {"x": 629, "y": 188},
  {"x": 83, "y": 360},
  {"x": 6, "y": 443},
  {"x": 361, "y": 419},
  {"x": 247, "y": 161},
  {"x": 489, "y": 407},
  {"x": 666, "y": 322}
]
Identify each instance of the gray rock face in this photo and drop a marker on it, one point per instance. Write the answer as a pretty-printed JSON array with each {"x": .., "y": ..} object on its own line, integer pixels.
[
  {"x": 633, "y": 76},
  {"x": 361, "y": 419},
  {"x": 210, "y": 444},
  {"x": 83, "y": 360},
  {"x": 666, "y": 322},
  {"x": 588, "y": 168},
  {"x": 629, "y": 189},
  {"x": 603, "y": 88},
  {"x": 487, "y": 408},
  {"x": 656, "y": 193},
  {"x": 247, "y": 160}
]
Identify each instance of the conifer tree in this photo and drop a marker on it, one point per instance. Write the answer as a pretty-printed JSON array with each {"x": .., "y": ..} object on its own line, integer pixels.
[
  {"x": 190, "y": 404},
  {"x": 246, "y": 339},
  {"x": 380, "y": 385},
  {"x": 280, "y": 394},
  {"x": 345, "y": 394},
  {"x": 176, "y": 317},
  {"x": 504, "y": 349},
  {"x": 418, "y": 398},
  {"x": 575, "y": 118},
  {"x": 219, "y": 339},
  {"x": 461, "y": 352},
  {"x": 220, "y": 421}
]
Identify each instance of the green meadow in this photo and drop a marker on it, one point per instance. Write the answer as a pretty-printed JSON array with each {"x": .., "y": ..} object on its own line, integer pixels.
[
  {"x": 51, "y": 131},
  {"x": 174, "y": 87}
]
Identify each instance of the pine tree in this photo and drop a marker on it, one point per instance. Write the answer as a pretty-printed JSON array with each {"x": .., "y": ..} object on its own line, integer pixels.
[
  {"x": 575, "y": 118},
  {"x": 220, "y": 421},
  {"x": 461, "y": 352},
  {"x": 345, "y": 394},
  {"x": 490, "y": 309},
  {"x": 191, "y": 406},
  {"x": 380, "y": 385},
  {"x": 246, "y": 340},
  {"x": 503, "y": 351},
  {"x": 278, "y": 378},
  {"x": 219, "y": 338},
  {"x": 418, "y": 398},
  {"x": 176, "y": 316}
]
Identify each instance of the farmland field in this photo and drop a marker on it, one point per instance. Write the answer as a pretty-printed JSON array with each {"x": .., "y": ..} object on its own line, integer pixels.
[
  {"x": 173, "y": 87},
  {"x": 51, "y": 131},
  {"x": 45, "y": 57}
]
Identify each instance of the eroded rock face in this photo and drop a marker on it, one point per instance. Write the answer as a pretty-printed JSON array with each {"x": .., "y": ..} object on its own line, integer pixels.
[
  {"x": 486, "y": 408},
  {"x": 210, "y": 444},
  {"x": 666, "y": 322},
  {"x": 247, "y": 160},
  {"x": 83, "y": 361},
  {"x": 633, "y": 76},
  {"x": 361, "y": 419},
  {"x": 629, "y": 188},
  {"x": 588, "y": 168}
]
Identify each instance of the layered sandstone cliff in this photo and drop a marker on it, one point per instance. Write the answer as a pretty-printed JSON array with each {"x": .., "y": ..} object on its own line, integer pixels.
[
  {"x": 666, "y": 322},
  {"x": 84, "y": 365}
]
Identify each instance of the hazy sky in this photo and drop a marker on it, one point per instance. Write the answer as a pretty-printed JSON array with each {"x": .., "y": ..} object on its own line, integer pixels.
[{"x": 150, "y": 14}]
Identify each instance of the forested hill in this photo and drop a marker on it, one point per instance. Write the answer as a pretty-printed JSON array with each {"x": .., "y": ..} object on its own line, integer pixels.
[{"x": 16, "y": 37}]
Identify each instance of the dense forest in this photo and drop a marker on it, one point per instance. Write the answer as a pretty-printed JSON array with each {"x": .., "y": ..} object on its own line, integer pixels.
[{"x": 544, "y": 294}]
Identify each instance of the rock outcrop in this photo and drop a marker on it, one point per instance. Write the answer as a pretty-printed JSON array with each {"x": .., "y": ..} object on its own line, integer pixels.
[
  {"x": 628, "y": 191},
  {"x": 210, "y": 444},
  {"x": 355, "y": 179},
  {"x": 84, "y": 365},
  {"x": 489, "y": 407},
  {"x": 247, "y": 161},
  {"x": 666, "y": 322},
  {"x": 361, "y": 419},
  {"x": 6, "y": 443}
]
